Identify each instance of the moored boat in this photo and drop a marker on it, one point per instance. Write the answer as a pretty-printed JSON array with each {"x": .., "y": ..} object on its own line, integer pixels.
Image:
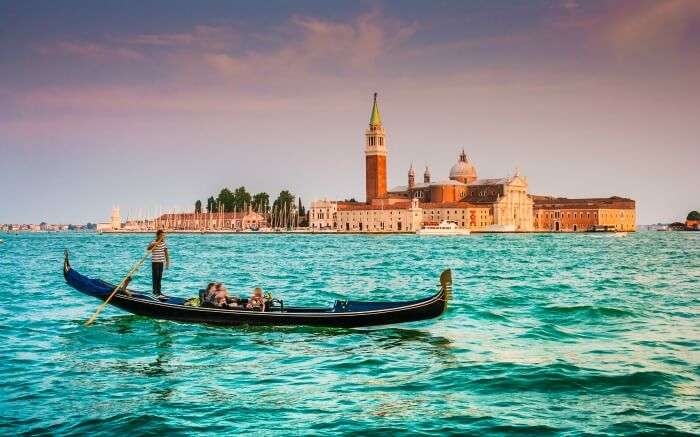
[
  {"x": 443, "y": 228},
  {"x": 344, "y": 313}
]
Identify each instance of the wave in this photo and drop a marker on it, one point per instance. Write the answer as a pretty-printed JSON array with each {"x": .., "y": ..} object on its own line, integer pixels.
[
  {"x": 585, "y": 312},
  {"x": 551, "y": 332},
  {"x": 559, "y": 377}
]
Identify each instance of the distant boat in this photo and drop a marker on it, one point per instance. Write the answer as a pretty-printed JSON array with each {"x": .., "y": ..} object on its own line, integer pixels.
[{"x": 444, "y": 228}]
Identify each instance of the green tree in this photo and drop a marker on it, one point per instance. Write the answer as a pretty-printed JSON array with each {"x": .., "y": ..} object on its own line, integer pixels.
[
  {"x": 241, "y": 199},
  {"x": 261, "y": 202},
  {"x": 198, "y": 206},
  {"x": 211, "y": 204},
  {"x": 284, "y": 201},
  {"x": 303, "y": 218},
  {"x": 693, "y": 215},
  {"x": 226, "y": 199},
  {"x": 282, "y": 207}
]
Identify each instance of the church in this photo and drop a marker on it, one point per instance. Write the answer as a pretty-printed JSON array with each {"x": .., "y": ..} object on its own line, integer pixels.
[{"x": 486, "y": 205}]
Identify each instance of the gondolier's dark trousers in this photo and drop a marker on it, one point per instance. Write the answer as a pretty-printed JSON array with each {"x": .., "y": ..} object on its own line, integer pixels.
[{"x": 157, "y": 269}]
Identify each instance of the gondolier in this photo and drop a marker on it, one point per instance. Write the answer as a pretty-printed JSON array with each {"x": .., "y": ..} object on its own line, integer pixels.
[{"x": 159, "y": 259}]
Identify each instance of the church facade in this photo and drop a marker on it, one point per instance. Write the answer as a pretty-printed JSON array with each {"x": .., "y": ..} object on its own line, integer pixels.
[{"x": 498, "y": 204}]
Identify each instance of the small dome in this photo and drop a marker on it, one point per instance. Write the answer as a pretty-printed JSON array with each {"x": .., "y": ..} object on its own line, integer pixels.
[{"x": 463, "y": 171}]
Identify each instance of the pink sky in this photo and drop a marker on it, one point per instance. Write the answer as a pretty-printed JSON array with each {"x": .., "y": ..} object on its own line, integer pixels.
[{"x": 111, "y": 108}]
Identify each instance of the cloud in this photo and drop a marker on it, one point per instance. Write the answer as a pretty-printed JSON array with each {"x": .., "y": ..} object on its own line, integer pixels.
[
  {"x": 660, "y": 25},
  {"x": 90, "y": 50},
  {"x": 202, "y": 36},
  {"x": 307, "y": 44}
]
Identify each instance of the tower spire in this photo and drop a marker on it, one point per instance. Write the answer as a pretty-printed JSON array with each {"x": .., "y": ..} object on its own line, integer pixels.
[{"x": 375, "y": 119}]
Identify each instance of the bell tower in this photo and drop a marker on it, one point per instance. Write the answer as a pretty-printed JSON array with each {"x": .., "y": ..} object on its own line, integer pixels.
[{"x": 375, "y": 156}]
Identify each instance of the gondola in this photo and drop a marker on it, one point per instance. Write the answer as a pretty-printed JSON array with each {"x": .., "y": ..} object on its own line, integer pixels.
[{"x": 344, "y": 313}]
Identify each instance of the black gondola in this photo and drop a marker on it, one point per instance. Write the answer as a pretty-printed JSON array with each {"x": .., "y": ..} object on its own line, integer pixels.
[{"x": 346, "y": 314}]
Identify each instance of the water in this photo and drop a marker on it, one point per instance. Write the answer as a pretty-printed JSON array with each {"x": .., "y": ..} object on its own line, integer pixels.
[{"x": 547, "y": 334}]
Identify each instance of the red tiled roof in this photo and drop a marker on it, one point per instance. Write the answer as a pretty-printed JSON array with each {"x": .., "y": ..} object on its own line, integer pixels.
[
  {"x": 353, "y": 206},
  {"x": 453, "y": 205},
  {"x": 541, "y": 202}
]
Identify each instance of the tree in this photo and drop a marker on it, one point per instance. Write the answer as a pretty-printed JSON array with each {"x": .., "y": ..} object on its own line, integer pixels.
[
  {"x": 303, "y": 218},
  {"x": 211, "y": 204},
  {"x": 301, "y": 209},
  {"x": 241, "y": 199},
  {"x": 693, "y": 215},
  {"x": 198, "y": 207},
  {"x": 226, "y": 200},
  {"x": 282, "y": 207},
  {"x": 284, "y": 201},
  {"x": 261, "y": 202}
]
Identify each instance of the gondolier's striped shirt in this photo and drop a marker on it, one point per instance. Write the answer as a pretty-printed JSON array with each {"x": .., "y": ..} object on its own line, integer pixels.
[{"x": 158, "y": 253}]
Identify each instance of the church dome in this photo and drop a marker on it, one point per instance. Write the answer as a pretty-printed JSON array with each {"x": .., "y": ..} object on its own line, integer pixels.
[{"x": 464, "y": 170}]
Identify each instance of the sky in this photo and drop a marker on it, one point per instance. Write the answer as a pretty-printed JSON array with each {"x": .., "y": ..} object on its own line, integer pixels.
[{"x": 152, "y": 105}]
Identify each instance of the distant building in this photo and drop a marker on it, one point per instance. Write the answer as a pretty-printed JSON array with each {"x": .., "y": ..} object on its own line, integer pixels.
[
  {"x": 323, "y": 214},
  {"x": 470, "y": 202},
  {"x": 115, "y": 222},
  {"x": 379, "y": 216},
  {"x": 221, "y": 221},
  {"x": 116, "y": 218},
  {"x": 561, "y": 214}
]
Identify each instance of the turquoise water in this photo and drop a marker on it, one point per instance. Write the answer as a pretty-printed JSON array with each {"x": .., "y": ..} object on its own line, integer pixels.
[{"x": 547, "y": 334}]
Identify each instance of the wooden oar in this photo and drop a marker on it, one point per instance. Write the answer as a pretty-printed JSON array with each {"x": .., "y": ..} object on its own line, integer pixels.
[{"x": 124, "y": 281}]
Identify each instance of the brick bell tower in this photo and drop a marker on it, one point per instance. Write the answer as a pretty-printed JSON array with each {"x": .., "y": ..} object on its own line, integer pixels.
[{"x": 375, "y": 156}]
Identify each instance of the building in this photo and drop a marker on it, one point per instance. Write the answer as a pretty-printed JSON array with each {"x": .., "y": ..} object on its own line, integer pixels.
[
  {"x": 478, "y": 204},
  {"x": 379, "y": 216},
  {"x": 594, "y": 214},
  {"x": 322, "y": 215},
  {"x": 500, "y": 204},
  {"x": 115, "y": 222},
  {"x": 215, "y": 221},
  {"x": 375, "y": 156}
]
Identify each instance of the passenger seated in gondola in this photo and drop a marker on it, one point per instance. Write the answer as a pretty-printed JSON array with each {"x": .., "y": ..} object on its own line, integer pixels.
[
  {"x": 256, "y": 301},
  {"x": 208, "y": 295},
  {"x": 217, "y": 295},
  {"x": 222, "y": 297}
]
